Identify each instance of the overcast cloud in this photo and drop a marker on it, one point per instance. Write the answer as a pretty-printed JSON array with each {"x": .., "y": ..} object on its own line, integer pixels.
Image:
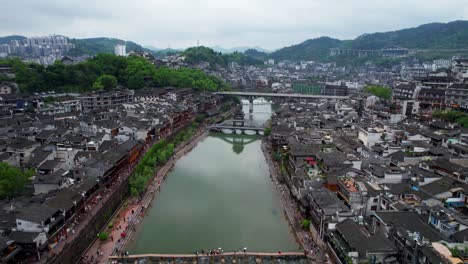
[{"x": 267, "y": 23}]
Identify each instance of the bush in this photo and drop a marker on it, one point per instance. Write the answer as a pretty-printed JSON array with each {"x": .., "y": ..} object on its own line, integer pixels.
[
  {"x": 103, "y": 236},
  {"x": 199, "y": 118},
  {"x": 158, "y": 154},
  {"x": 110, "y": 225},
  {"x": 305, "y": 224}
]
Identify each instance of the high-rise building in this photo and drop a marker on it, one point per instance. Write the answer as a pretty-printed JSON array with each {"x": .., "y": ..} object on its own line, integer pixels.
[{"x": 119, "y": 50}]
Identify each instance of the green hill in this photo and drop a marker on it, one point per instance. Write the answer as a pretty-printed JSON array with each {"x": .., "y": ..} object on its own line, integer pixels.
[
  {"x": 196, "y": 55},
  {"x": 452, "y": 35},
  {"x": 256, "y": 54},
  {"x": 93, "y": 46},
  {"x": 7, "y": 39},
  {"x": 312, "y": 49},
  {"x": 434, "y": 36}
]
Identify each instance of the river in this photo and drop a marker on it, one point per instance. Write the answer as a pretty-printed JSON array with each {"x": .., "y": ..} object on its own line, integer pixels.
[{"x": 219, "y": 195}]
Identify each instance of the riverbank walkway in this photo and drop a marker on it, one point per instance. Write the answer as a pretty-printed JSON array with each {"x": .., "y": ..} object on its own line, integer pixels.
[
  {"x": 127, "y": 219},
  {"x": 313, "y": 248},
  {"x": 226, "y": 257}
]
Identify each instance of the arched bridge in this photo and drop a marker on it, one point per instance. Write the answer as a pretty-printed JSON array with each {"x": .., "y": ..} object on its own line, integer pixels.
[
  {"x": 252, "y": 95},
  {"x": 229, "y": 125},
  {"x": 230, "y": 257}
]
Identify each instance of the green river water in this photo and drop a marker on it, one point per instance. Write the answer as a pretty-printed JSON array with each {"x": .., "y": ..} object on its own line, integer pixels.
[{"x": 217, "y": 195}]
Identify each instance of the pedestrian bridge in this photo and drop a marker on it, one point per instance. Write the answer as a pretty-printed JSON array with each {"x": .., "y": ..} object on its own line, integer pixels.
[
  {"x": 229, "y": 257},
  {"x": 221, "y": 127},
  {"x": 237, "y": 123}
]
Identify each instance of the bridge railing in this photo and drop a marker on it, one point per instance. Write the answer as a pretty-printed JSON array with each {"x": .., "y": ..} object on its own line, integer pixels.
[{"x": 228, "y": 255}]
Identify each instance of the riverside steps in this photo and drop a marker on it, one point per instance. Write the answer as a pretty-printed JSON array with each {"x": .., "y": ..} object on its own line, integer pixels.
[{"x": 228, "y": 257}]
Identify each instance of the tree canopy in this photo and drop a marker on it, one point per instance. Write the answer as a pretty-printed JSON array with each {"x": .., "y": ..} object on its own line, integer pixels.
[
  {"x": 12, "y": 180},
  {"x": 204, "y": 54},
  {"x": 103, "y": 70},
  {"x": 453, "y": 116},
  {"x": 106, "y": 82},
  {"x": 379, "y": 91}
]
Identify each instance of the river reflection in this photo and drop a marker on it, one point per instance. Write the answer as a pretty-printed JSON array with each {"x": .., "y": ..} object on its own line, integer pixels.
[
  {"x": 218, "y": 195},
  {"x": 238, "y": 142}
]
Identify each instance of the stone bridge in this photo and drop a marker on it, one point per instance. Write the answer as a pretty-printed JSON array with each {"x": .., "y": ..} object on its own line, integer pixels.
[
  {"x": 238, "y": 122},
  {"x": 230, "y": 257},
  {"x": 220, "y": 127}
]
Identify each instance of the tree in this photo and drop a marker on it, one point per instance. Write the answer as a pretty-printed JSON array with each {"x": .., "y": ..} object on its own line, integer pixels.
[
  {"x": 267, "y": 131},
  {"x": 105, "y": 82},
  {"x": 199, "y": 118},
  {"x": 49, "y": 100},
  {"x": 12, "y": 180},
  {"x": 379, "y": 91},
  {"x": 104, "y": 71},
  {"x": 103, "y": 236},
  {"x": 305, "y": 224}
]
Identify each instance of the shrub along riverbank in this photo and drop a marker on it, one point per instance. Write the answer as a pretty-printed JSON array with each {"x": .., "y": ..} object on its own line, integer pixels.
[{"x": 156, "y": 157}]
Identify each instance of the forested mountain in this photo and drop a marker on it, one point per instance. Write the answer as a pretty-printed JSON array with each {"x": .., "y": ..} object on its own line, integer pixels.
[
  {"x": 312, "y": 49},
  {"x": 204, "y": 54},
  {"x": 238, "y": 49},
  {"x": 7, "y": 39},
  {"x": 259, "y": 55},
  {"x": 434, "y": 36},
  {"x": 451, "y": 35},
  {"x": 93, "y": 46}
]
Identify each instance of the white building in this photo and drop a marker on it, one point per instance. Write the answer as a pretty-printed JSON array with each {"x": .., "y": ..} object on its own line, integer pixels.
[
  {"x": 119, "y": 50},
  {"x": 441, "y": 63},
  {"x": 370, "y": 136}
]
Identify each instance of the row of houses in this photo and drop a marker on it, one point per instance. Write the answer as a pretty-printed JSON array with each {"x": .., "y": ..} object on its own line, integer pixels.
[
  {"x": 80, "y": 159},
  {"x": 375, "y": 190}
]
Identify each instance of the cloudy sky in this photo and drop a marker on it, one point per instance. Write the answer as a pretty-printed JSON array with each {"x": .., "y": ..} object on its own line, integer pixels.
[{"x": 230, "y": 23}]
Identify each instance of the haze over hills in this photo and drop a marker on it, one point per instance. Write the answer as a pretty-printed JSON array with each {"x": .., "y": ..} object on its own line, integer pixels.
[
  {"x": 94, "y": 46},
  {"x": 221, "y": 49},
  {"x": 433, "y": 36},
  {"x": 7, "y": 39},
  {"x": 90, "y": 46}
]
